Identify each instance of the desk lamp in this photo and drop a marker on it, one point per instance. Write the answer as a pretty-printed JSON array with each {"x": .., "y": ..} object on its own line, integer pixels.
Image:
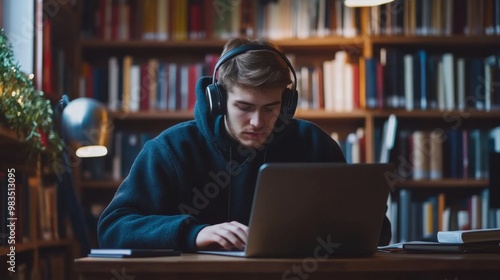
[{"x": 85, "y": 127}]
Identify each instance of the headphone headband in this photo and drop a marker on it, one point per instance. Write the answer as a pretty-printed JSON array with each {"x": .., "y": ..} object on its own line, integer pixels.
[
  {"x": 215, "y": 94},
  {"x": 243, "y": 49}
]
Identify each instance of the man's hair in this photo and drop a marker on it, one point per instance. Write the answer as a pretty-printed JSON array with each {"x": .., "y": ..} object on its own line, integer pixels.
[{"x": 255, "y": 68}]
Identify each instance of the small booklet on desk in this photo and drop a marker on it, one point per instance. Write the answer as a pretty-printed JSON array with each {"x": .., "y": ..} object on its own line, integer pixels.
[
  {"x": 437, "y": 247},
  {"x": 132, "y": 253}
]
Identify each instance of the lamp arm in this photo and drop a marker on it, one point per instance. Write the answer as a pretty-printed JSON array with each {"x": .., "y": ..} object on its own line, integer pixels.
[
  {"x": 58, "y": 110},
  {"x": 66, "y": 186}
]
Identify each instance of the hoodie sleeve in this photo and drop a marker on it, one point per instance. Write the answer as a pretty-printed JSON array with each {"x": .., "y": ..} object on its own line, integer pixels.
[{"x": 144, "y": 211}]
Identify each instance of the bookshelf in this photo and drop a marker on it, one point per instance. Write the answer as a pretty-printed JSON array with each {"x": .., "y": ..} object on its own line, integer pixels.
[
  {"x": 361, "y": 39},
  {"x": 37, "y": 243},
  {"x": 44, "y": 246}
]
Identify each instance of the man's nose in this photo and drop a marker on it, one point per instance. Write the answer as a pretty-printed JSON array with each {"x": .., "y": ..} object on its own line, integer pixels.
[{"x": 256, "y": 119}]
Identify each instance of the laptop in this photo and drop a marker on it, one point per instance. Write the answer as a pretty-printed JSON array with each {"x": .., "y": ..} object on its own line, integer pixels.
[{"x": 316, "y": 209}]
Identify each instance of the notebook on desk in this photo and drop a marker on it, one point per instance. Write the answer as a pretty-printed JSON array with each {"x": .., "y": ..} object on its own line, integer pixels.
[{"x": 316, "y": 209}]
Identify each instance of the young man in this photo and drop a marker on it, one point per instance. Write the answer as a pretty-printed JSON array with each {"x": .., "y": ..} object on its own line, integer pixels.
[{"x": 192, "y": 186}]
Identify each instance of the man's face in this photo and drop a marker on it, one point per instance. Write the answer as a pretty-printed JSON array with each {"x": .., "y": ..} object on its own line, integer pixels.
[{"x": 252, "y": 113}]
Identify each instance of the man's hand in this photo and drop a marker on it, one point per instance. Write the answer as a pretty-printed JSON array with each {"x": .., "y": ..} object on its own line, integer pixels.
[{"x": 229, "y": 236}]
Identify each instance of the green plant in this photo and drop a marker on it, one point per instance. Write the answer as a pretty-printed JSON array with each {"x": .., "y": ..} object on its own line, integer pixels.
[{"x": 25, "y": 109}]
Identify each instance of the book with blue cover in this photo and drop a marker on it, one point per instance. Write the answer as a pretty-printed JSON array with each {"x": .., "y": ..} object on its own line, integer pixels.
[{"x": 132, "y": 253}]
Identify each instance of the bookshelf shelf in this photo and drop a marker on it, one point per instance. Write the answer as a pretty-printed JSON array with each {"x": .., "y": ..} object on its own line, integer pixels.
[
  {"x": 436, "y": 114},
  {"x": 151, "y": 115},
  {"x": 20, "y": 248},
  {"x": 185, "y": 115},
  {"x": 97, "y": 45},
  {"x": 7, "y": 135},
  {"x": 442, "y": 41},
  {"x": 37, "y": 245},
  {"x": 322, "y": 114},
  {"x": 443, "y": 184}
]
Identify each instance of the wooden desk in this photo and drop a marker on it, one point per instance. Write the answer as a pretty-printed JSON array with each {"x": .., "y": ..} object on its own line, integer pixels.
[{"x": 380, "y": 266}]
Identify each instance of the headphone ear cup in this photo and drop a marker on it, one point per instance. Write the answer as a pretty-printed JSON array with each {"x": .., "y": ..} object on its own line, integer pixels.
[
  {"x": 289, "y": 103},
  {"x": 215, "y": 98}
]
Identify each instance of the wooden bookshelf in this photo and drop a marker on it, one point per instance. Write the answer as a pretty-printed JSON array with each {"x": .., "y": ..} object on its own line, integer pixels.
[
  {"x": 30, "y": 248},
  {"x": 312, "y": 51},
  {"x": 448, "y": 41},
  {"x": 35, "y": 255},
  {"x": 7, "y": 135}
]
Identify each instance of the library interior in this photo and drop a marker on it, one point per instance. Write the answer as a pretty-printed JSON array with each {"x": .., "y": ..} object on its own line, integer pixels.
[{"x": 411, "y": 83}]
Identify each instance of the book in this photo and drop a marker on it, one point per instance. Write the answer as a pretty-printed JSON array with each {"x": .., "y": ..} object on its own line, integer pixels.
[
  {"x": 388, "y": 138},
  {"x": 437, "y": 247},
  {"x": 469, "y": 236},
  {"x": 132, "y": 253}
]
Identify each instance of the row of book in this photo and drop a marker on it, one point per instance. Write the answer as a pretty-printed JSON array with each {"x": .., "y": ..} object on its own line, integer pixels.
[
  {"x": 421, "y": 80},
  {"x": 431, "y": 155},
  {"x": 116, "y": 165},
  {"x": 200, "y": 19},
  {"x": 353, "y": 145},
  {"x": 126, "y": 84},
  {"x": 209, "y": 19},
  {"x": 444, "y": 81},
  {"x": 411, "y": 81},
  {"x": 57, "y": 74},
  {"x": 436, "y": 18},
  {"x": 127, "y": 145},
  {"x": 24, "y": 195},
  {"x": 438, "y": 154},
  {"x": 417, "y": 217},
  {"x": 14, "y": 209}
]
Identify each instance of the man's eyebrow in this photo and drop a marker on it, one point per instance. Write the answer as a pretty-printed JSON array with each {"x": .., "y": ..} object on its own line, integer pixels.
[{"x": 251, "y": 104}]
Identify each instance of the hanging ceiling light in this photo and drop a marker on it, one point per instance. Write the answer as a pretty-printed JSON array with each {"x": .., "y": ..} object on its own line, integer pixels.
[{"x": 365, "y": 3}]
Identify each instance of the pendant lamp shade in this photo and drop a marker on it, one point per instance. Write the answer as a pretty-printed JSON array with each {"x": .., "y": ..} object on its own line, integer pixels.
[{"x": 365, "y": 3}]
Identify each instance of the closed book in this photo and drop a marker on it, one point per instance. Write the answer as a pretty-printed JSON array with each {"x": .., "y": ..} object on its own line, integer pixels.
[
  {"x": 469, "y": 236},
  {"x": 420, "y": 158},
  {"x": 371, "y": 82},
  {"x": 436, "y": 140},
  {"x": 437, "y": 247},
  {"x": 132, "y": 253},
  {"x": 494, "y": 181}
]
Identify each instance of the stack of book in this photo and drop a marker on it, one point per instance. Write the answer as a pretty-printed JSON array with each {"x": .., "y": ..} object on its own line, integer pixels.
[{"x": 460, "y": 241}]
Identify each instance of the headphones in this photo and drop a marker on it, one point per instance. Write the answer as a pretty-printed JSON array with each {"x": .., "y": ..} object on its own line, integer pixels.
[{"x": 215, "y": 94}]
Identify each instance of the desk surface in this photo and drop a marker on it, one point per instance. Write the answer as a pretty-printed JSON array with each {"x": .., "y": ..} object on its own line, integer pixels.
[{"x": 380, "y": 266}]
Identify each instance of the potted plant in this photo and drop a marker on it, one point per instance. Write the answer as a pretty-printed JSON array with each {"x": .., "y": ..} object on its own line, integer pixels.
[{"x": 25, "y": 109}]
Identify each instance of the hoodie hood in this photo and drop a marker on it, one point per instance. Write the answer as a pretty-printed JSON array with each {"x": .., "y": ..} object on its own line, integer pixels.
[
  {"x": 211, "y": 127},
  {"x": 203, "y": 118}
]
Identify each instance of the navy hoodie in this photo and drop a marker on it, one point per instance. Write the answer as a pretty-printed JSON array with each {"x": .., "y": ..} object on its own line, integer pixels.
[{"x": 193, "y": 175}]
